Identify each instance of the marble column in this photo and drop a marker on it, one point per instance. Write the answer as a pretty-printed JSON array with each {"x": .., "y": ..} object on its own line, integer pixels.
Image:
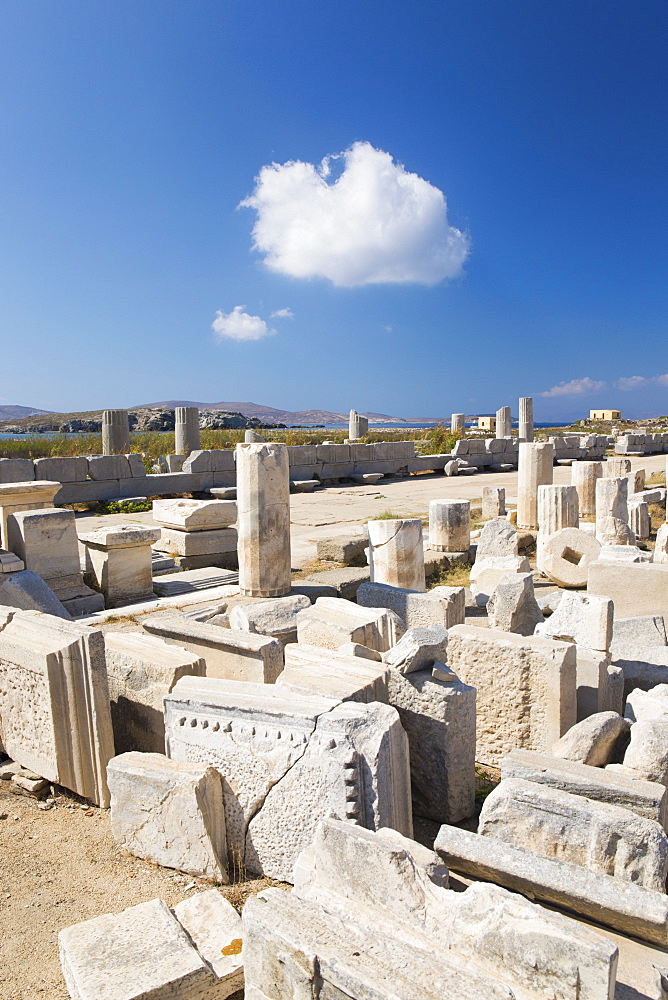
[
  {"x": 449, "y": 525},
  {"x": 526, "y": 418},
  {"x": 186, "y": 430},
  {"x": 263, "y": 524},
  {"x": 534, "y": 469},
  {"x": 115, "y": 432},
  {"x": 396, "y": 553}
]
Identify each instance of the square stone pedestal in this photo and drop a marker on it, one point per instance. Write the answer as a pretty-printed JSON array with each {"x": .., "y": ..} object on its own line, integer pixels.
[{"x": 119, "y": 559}]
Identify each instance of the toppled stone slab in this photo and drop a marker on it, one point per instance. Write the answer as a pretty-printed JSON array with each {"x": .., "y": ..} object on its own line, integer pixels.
[
  {"x": 418, "y": 649},
  {"x": 313, "y": 670},
  {"x": 526, "y": 688},
  {"x": 346, "y": 549},
  {"x": 228, "y": 653},
  {"x": 274, "y": 616},
  {"x": 605, "y": 899},
  {"x": 498, "y": 538},
  {"x": 512, "y": 607},
  {"x": 305, "y": 941},
  {"x": 595, "y": 835},
  {"x": 141, "y": 670},
  {"x": 647, "y": 753},
  {"x": 593, "y": 741},
  {"x": 195, "y": 515},
  {"x": 169, "y": 812},
  {"x": 54, "y": 702},
  {"x": 143, "y": 952},
  {"x": 287, "y": 760},
  {"x": 488, "y": 571},
  {"x": 642, "y": 630},
  {"x": 640, "y": 589},
  {"x": 330, "y": 622},
  {"x": 28, "y": 592},
  {"x": 440, "y": 606},
  {"x": 439, "y": 717},
  {"x": 585, "y": 619},
  {"x": 346, "y": 581},
  {"x": 645, "y": 798},
  {"x": 214, "y": 926},
  {"x": 193, "y": 580},
  {"x": 641, "y": 706}
]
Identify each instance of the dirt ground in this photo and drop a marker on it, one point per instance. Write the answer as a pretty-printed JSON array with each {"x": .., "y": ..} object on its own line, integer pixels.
[{"x": 59, "y": 867}]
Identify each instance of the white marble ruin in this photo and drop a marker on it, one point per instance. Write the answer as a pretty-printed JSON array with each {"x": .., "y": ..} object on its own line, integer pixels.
[
  {"x": 396, "y": 553},
  {"x": 186, "y": 430},
  {"x": 449, "y": 525},
  {"x": 263, "y": 502},
  {"x": 534, "y": 469},
  {"x": 115, "y": 432},
  {"x": 358, "y": 425},
  {"x": 525, "y": 429}
]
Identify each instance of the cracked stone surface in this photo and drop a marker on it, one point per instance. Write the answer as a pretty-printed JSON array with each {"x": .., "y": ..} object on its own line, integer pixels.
[{"x": 287, "y": 760}]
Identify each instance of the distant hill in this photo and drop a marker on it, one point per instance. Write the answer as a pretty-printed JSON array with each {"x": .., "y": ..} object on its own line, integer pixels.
[
  {"x": 272, "y": 415},
  {"x": 10, "y": 412}
]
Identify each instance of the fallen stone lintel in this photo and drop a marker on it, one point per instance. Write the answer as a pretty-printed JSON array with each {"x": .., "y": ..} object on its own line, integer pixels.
[{"x": 628, "y": 908}]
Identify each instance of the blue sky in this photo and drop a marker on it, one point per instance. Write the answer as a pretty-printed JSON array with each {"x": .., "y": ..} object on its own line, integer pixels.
[{"x": 495, "y": 227}]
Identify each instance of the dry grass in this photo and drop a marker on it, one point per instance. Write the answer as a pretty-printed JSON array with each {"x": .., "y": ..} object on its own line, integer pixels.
[{"x": 456, "y": 576}]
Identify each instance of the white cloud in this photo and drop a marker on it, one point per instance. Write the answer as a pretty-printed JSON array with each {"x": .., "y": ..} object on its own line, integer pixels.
[
  {"x": 576, "y": 387},
  {"x": 375, "y": 223},
  {"x": 630, "y": 382},
  {"x": 239, "y": 325},
  {"x": 283, "y": 314}
]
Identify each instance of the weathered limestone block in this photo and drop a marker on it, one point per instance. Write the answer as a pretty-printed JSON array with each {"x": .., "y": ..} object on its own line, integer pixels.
[
  {"x": 558, "y": 507},
  {"x": 646, "y": 798},
  {"x": 512, "y": 607},
  {"x": 605, "y": 899},
  {"x": 595, "y": 835},
  {"x": 54, "y": 702},
  {"x": 350, "y": 550},
  {"x": 312, "y": 670},
  {"x": 27, "y": 591},
  {"x": 440, "y": 606},
  {"x": 62, "y": 470},
  {"x": 493, "y": 502},
  {"x": 534, "y": 469},
  {"x": 525, "y": 685},
  {"x": 418, "y": 649},
  {"x": 582, "y": 618},
  {"x": 186, "y": 429},
  {"x": 287, "y": 760},
  {"x": 46, "y": 541},
  {"x": 567, "y": 556},
  {"x": 227, "y": 653},
  {"x": 583, "y": 478},
  {"x": 105, "y": 468},
  {"x": 197, "y": 543},
  {"x": 194, "y": 515},
  {"x": 364, "y": 915},
  {"x": 115, "y": 432},
  {"x": 119, "y": 559},
  {"x": 263, "y": 502},
  {"x": 593, "y": 741},
  {"x": 440, "y": 721},
  {"x": 660, "y": 554},
  {"x": 600, "y": 684},
  {"x": 142, "y": 953},
  {"x": 16, "y": 470},
  {"x": 647, "y": 753},
  {"x": 635, "y": 588},
  {"x": 141, "y": 670},
  {"x": 15, "y": 497},
  {"x": 498, "y": 538},
  {"x": 356, "y": 649},
  {"x": 169, "y": 812},
  {"x": 616, "y": 468},
  {"x": 276, "y": 616},
  {"x": 641, "y": 666},
  {"x": 612, "y": 511},
  {"x": 449, "y": 525},
  {"x": 396, "y": 553},
  {"x": 488, "y": 571},
  {"x": 215, "y": 928},
  {"x": 640, "y": 521},
  {"x": 642, "y": 706},
  {"x": 332, "y": 621}
]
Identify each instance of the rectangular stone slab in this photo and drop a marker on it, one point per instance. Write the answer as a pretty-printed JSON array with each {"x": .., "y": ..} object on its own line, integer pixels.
[
  {"x": 625, "y": 907},
  {"x": 196, "y": 543},
  {"x": 646, "y": 798},
  {"x": 326, "y": 672},
  {"x": 236, "y": 656},
  {"x": 54, "y": 701}
]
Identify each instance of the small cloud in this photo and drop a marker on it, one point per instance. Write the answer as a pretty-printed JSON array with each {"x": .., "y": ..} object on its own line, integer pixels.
[
  {"x": 388, "y": 329},
  {"x": 576, "y": 387},
  {"x": 283, "y": 314},
  {"x": 239, "y": 325},
  {"x": 629, "y": 382},
  {"x": 357, "y": 218}
]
